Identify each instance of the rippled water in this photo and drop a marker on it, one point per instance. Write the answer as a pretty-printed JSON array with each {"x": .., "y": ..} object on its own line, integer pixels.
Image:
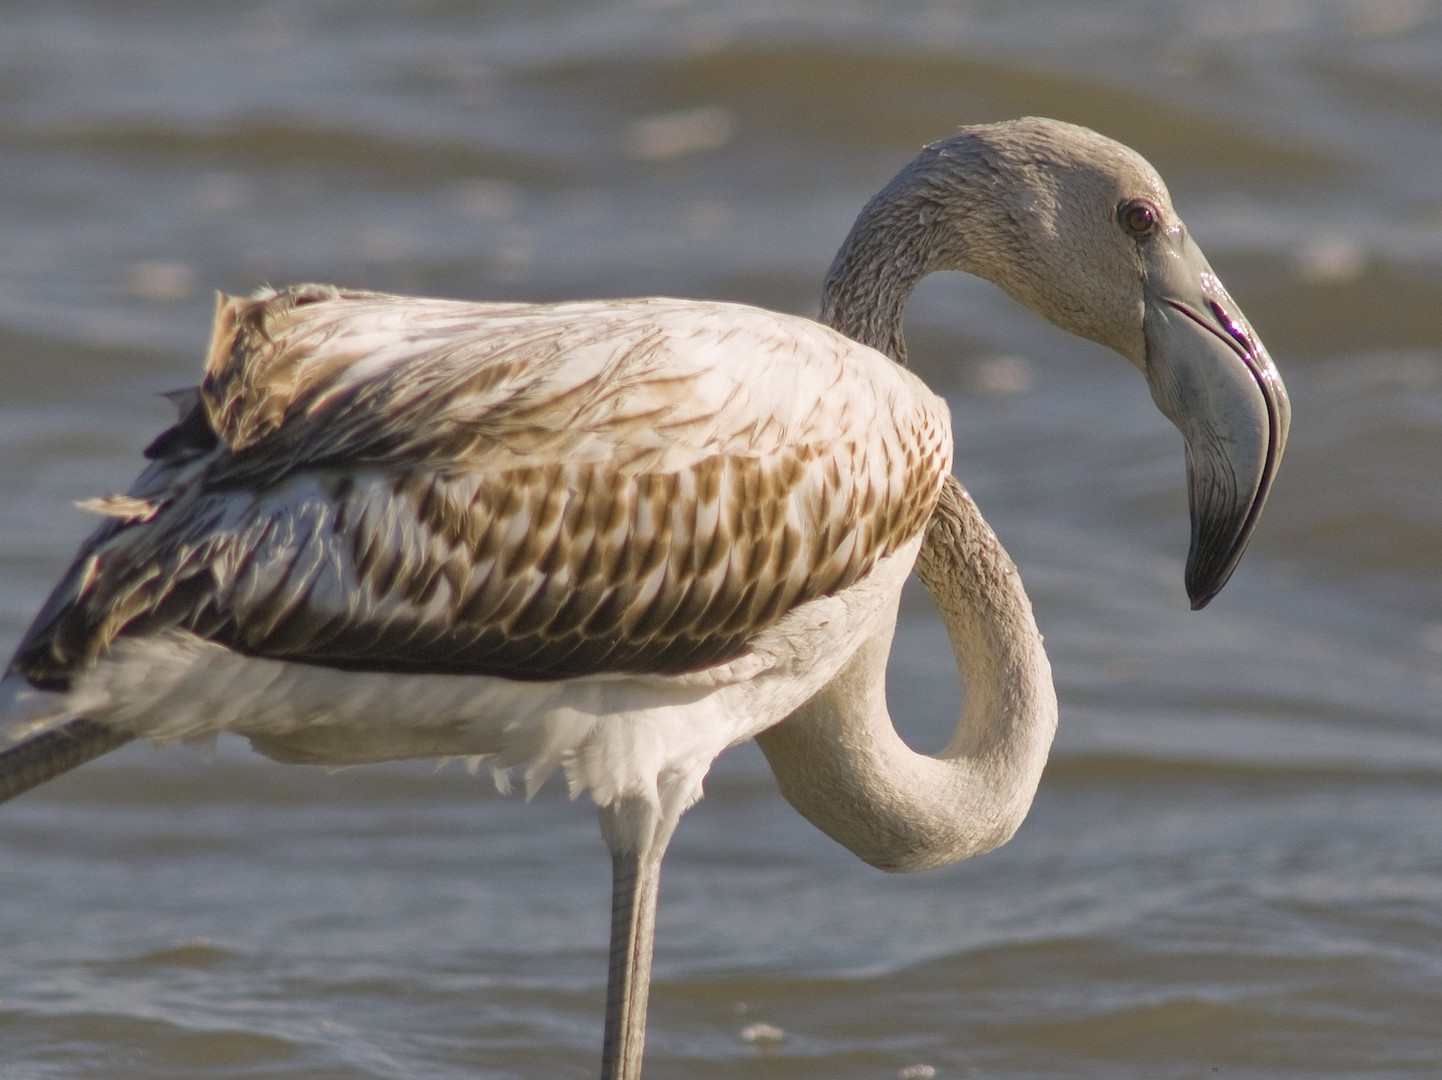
[{"x": 1234, "y": 866}]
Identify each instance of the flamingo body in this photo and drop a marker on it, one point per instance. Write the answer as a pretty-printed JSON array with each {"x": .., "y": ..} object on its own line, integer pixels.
[{"x": 614, "y": 537}]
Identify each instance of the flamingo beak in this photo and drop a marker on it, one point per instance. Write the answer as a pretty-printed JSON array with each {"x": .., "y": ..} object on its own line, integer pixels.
[{"x": 1211, "y": 376}]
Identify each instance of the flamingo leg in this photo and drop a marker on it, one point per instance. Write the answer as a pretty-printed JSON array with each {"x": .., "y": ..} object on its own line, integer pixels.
[
  {"x": 635, "y": 876},
  {"x": 637, "y": 836},
  {"x": 45, "y": 756}
]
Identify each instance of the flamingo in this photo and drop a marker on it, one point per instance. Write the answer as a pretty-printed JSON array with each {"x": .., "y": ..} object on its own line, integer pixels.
[{"x": 614, "y": 538}]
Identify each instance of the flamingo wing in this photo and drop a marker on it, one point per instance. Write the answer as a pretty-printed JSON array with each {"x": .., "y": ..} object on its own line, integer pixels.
[{"x": 538, "y": 492}]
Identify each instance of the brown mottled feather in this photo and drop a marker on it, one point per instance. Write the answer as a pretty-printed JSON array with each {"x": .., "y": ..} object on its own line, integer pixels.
[{"x": 367, "y": 482}]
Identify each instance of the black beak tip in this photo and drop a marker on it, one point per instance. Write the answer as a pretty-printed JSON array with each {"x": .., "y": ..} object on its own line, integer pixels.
[{"x": 1205, "y": 578}]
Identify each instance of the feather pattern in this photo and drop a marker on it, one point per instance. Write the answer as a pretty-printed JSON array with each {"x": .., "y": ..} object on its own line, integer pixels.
[{"x": 374, "y": 483}]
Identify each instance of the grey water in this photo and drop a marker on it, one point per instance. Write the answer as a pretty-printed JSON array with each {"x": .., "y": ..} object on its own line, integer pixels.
[{"x": 1234, "y": 865}]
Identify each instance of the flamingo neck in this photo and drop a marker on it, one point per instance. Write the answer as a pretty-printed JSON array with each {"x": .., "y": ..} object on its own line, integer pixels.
[
  {"x": 840, "y": 762},
  {"x": 909, "y": 229}
]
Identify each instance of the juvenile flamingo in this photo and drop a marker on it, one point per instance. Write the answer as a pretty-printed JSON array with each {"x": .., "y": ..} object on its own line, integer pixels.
[{"x": 615, "y": 538}]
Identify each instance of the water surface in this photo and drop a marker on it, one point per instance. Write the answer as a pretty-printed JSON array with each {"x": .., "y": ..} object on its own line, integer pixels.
[{"x": 1234, "y": 866}]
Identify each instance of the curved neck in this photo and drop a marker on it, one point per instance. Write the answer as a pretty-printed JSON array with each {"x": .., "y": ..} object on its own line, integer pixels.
[
  {"x": 900, "y": 236},
  {"x": 840, "y": 762}
]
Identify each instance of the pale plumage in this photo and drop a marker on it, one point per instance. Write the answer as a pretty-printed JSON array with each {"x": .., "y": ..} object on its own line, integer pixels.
[
  {"x": 617, "y": 537},
  {"x": 575, "y": 500}
]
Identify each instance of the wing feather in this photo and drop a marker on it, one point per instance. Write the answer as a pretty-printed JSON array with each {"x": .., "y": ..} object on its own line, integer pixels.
[{"x": 536, "y": 492}]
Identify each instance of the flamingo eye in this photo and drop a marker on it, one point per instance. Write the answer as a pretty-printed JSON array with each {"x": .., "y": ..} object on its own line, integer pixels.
[{"x": 1138, "y": 217}]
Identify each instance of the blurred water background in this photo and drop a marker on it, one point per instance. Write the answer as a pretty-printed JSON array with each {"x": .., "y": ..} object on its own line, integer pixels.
[{"x": 1234, "y": 866}]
